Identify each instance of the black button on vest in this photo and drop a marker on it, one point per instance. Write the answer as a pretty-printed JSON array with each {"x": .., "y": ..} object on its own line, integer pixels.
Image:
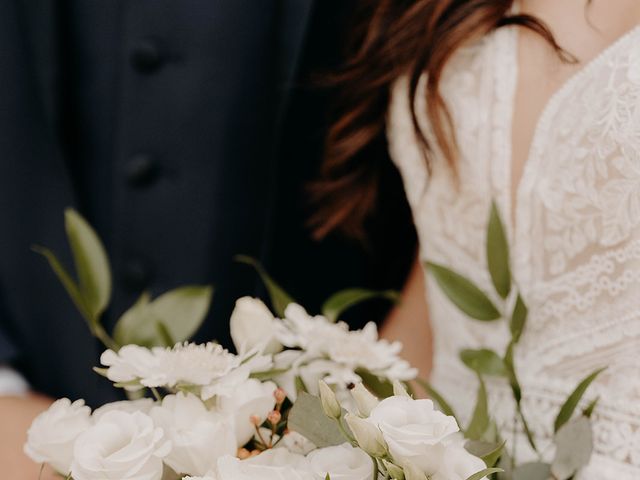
[
  {"x": 147, "y": 56},
  {"x": 141, "y": 170}
]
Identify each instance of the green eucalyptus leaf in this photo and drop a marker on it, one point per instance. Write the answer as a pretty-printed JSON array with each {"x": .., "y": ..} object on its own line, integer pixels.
[
  {"x": 91, "y": 262},
  {"x": 279, "y": 298},
  {"x": 566, "y": 412},
  {"x": 464, "y": 294},
  {"x": 574, "y": 446},
  {"x": 182, "y": 310},
  {"x": 532, "y": 471},
  {"x": 480, "y": 420},
  {"x": 338, "y": 303},
  {"x": 484, "y": 473},
  {"x": 380, "y": 387},
  {"x": 137, "y": 325},
  {"x": 498, "y": 253},
  {"x": 488, "y": 451},
  {"x": 484, "y": 362},
  {"x": 518, "y": 319},
  {"x": 67, "y": 282},
  {"x": 308, "y": 419},
  {"x": 437, "y": 397}
]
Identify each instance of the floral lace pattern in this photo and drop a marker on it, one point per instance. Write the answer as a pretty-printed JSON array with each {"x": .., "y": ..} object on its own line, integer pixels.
[{"x": 575, "y": 241}]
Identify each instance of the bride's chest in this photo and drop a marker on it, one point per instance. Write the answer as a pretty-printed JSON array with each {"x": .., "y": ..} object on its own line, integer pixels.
[{"x": 578, "y": 199}]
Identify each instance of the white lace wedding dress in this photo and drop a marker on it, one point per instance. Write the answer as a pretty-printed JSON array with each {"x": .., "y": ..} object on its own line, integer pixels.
[{"x": 575, "y": 243}]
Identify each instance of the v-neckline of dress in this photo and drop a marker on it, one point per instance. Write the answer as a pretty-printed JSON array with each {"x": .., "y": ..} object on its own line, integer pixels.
[{"x": 515, "y": 193}]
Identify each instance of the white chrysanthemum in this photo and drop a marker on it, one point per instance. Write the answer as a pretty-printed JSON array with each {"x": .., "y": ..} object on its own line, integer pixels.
[
  {"x": 193, "y": 364},
  {"x": 363, "y": 349},
  {"x": 133, "y": 365},
  {"x": 298, "y": 329},
  {"x": 186, "y": 364}
]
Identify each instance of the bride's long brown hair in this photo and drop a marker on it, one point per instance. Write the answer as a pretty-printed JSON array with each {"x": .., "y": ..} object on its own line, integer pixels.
[{"x": 395, "y": 38}]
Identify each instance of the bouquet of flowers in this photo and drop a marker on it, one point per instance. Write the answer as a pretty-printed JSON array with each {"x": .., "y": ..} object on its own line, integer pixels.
[{"x": 304, "y": 397}]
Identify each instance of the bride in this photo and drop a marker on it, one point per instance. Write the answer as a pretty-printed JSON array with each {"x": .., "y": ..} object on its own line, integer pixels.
[{"x": 534, "y": 105}]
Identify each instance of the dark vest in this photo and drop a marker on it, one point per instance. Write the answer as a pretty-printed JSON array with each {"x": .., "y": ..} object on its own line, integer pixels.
[{"x": 162, "y": 122}]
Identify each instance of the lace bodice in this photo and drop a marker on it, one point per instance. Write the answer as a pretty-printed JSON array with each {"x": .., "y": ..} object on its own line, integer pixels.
[{"x": 575, "y": 243}]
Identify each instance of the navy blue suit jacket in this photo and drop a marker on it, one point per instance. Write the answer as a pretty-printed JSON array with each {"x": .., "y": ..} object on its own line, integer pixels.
[{"x": 179, "y": 128}]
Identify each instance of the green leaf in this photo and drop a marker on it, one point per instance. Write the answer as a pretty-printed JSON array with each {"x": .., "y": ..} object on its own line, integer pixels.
[
  {"x": 182, "y": 310},
  {"x": 484, "y": 362},
  {"x": 464, "y": 294},
  {"x": 437, "y": 397},
  {"x": 91, "y": 262},
  {"x": 588, "y": 411},
  {"x": 574, "y": 446},
  {"x": 67, "y": 282},
  {"x": 498, "y": 253},
  {"x": 480, "y": 420},
  {"x": 172, "y": 317},
  {"x": 342, "y": 301},
  {"x": 518, "y": 319},
  {"x": 164, "y": 335},
  {"x": 308, "y": 419},
  {"x": 380, "y": 387},
  {"x": 484, "y": 473},
  {"x": 279, "y": 298},
  {"x": 570, "y": 405},
  {"x": 137, "y": 325},
  {"x": 488, "y": 451},
  {"x": 532, "y": 471}
]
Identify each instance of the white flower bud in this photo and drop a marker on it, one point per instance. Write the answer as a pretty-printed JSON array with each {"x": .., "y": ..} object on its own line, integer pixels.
[
  {"x": 399, "y": 390},
  {"x": 368, "y": 435},
  {"x": 330, "y": 403},
  {"x": 365, "y": 400}
]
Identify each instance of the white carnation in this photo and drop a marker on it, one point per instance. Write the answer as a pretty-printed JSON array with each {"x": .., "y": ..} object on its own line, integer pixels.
[{"x": 53, "y": 433}]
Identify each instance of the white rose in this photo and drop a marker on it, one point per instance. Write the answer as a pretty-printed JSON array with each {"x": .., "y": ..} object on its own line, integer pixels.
[
  {"x": 274, "y": 464},
  {"x": 414, "y": 431},
  {"x": 52, "y": 434},
  {"x": 458, "y": 464},
  {"x": 120, "y": 446},
  {"x": 198, "y": 436},
  {"x": 342, "y": 462},
  {"x": 251, "y": 397},
  {"x": 253, "y": 326},
  {"x": 143, "y": 405}
]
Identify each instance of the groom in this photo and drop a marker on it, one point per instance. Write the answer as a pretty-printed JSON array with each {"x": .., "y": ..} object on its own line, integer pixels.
[{"x": 175, "y": 128}]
